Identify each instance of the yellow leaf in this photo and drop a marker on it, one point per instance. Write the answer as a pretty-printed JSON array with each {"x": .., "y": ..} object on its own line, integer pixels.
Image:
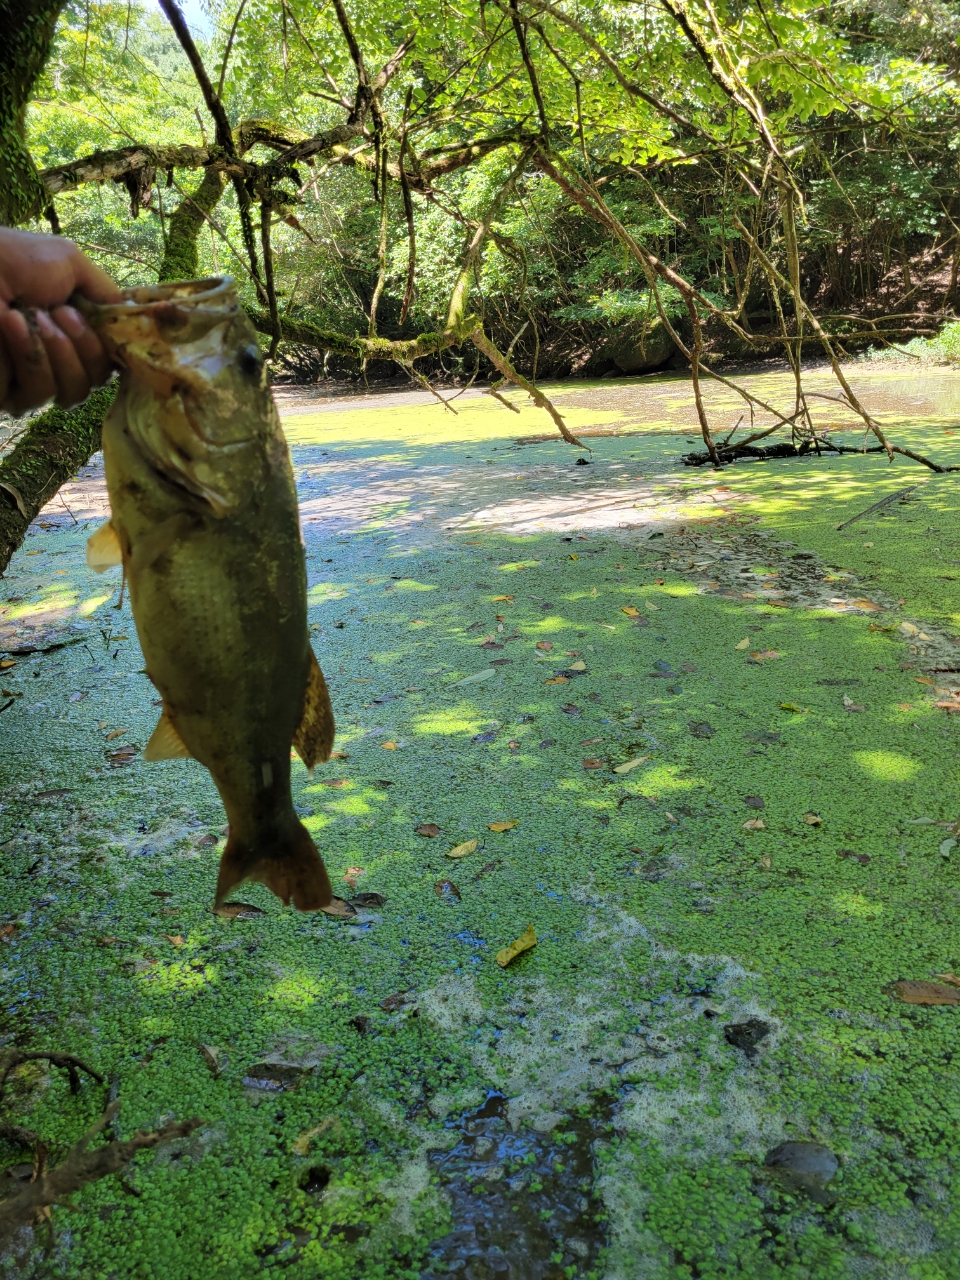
[
  {"x": 557, "y": 680},
  {"x": 630, "y": 611},
  {"x": 924, "y": 680},
  {"x": 526, "y": 940},
  {"x": 630, "y": 764},
  {"x": 950, "y": 977},
  {"x": 503, "y": 826},
  {"x": 115, "y": 733},
  {"x": 813, "y": 819},
  {"x": 389, "y": 746},
  {"x": 742, "y": 644},
  {"x": 654, "y": 607},
  {"x": 461, "y": 850},
  {"x": 867, "y": 604},
  {"x": 792, "y": 706},
  {"x": 911, "y": 991},
  {"x": 301, "y": 1146},
  {"x": 573, "y": 557},
  {"x": 507, "y": 598},
  {"x": 7, "y": 663},
  {"x": 578, "y": 666},
  {"x": 754, "y": 824},
  {"x": 593, "y": 592},
  {"x": 766, "y": 862},
  {"x": 175, "y": 939}
]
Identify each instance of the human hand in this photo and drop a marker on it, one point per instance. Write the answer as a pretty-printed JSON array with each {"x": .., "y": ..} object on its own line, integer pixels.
[{"x": 47, "y": 349}]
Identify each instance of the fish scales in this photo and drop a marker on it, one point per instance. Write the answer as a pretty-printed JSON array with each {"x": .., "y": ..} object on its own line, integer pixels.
[{"x": 204, "y": 520}]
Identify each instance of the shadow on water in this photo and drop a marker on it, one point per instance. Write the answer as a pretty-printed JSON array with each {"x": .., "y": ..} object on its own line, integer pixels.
[{"x": 522, "y": 1202}]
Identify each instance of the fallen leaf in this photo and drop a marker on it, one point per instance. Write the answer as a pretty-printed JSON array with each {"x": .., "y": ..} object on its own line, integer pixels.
[
  {"x": 571, "y": 709},
  {"x": 669, "y": 817},
  {"x": 526, "y": 940},
  {"x": 485, "y": 674},
  {"x": 350, "y": 882},
  {"x": 948, "y": 706},
  {"x": 764, "y": 655},
  {"x": 766, "y": 862},
  {"x": 7, "y": 663},
  {"x": 630, "y": 764},
  {"x": 917, "y": 991},
  {"x": 175, "y": 939},
  {"x": 793, "y": 706},
  {"x": 365, "y": 900},
  {"x": 508, "y": 599},
  {"x": 388, "y": 746},
  {"x": 743, "y": 644},
  {"x": 503, "y": 826},
  {"x": 108, "y": 941},
  {"x": 593, "y": 763},
  {"x": 862, "y": 858},
  {"x": 447, "y": 891},
  {"x": 754, "y": 802},
  {"x": 905, "y": 706},
  {"x": 813, "y": 819},
  {"x": 237, "y": 911},
  {"x": 545, "y": 645},
  {"x": 658, "y": 582},
  {"x": 701, "y": 729},
  {"x": 160, "y": 893},
  {"x": 558, "y": 680},
  {"x": 925, "y": 680},
  {"x": 868, "y": 605},
  {"x": 338, "y": 908},
  {"x": 301, "y": 1145},
  {"x": 333, "y": 782},
  {"x": 573, "y": 557},
  {"x": 578, "y": 666},
  {"x": 339, "y": 755},
  {"x": 950, "y": 978},
  {"x": 211, "y": 1056},
  {"x": 850, "y": 705},
  {"x": 124, "y": 756},
  {"x": 461, "y": 850},
  {"x": 7, "y": 931},
  {"x": 390, "y": 1004},
  {"x": 513, "y": 744},
  {"x": 754, "y": 824},
  {"x": 429, "y": 829},
  {"x": 630, "y": 610},
  {"x": 947, "y": 846}
]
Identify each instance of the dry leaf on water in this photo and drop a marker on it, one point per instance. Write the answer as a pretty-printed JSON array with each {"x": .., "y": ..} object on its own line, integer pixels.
[
  {"x": 950, "y": 978},
  {"x": 237, "y": 911},
  {"x": 461, "y": 850},
  {"x": 850, "y": 705},
  {"x": 7, "y": 931},
  {"x": 813, "y": 819},
  {"x": 545, "y": 645},
  {"x": 175, "y": 939},
  {"x": 630, "y": 610},
  {"x": 754, "y": 824},
  {"x": 333, "y": 782},
  {"x": 339, "y": 909},
  {"x": 558, "y": 680},
  {"x": 503, "y": 826},
  {"x": 447, "y": 891},
  {"x": 917, "y": 991},
  {"x": 793, "y": 706},
  {"x": 301, "y": 1146},
  {"x": 429, "y": 829},
  {"x": 867, "y": 604},
  {"x": 592, "y": 763},
  {"x": 211, "y": 1056},
  {"x": 742, "y": 644},
  {"x": 388, "y": 746},
  {"x": 526, "y": 940},
  {"x": 366, "y": 900},
  {"x": 630, "y": 764},
  {"x": 578, "y": 666},
  {"x": 764, "y": 655},
  {"x": 862, "y": 858},
  {"x": 115, "y": 733},
  {"x": 507, "y": 599},
  {"x": 925, "y": 680},
  {"x": 754, "y": 802}
]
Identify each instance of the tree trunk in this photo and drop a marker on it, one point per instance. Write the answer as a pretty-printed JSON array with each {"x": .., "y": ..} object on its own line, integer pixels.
[
  {"x": 180, "y": 258},
  {"x": 27, "y": 28},
  {"x": 52, "y": 448}
]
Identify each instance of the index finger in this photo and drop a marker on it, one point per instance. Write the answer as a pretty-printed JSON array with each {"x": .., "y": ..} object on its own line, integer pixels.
[{"x": 94, "y": 283}]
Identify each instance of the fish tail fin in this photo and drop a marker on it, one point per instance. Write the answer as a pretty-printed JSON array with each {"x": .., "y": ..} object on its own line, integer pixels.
[{"x": 291, "y": 868}]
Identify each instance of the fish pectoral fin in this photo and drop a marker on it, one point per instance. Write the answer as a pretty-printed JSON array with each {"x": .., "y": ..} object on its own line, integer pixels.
[
  {"x": 165, "y": 743},
  {"x": 313, "y": 740},
  {"x": 103, "y": 548}
]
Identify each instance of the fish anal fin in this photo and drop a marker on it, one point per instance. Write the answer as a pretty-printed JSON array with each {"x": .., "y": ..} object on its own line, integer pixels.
[
  {"x": 289, "y": 866},
  {"x": 103, "y": 548},
  {"x": 313, "y": 740},
  {"x": 165, "y": 742}
]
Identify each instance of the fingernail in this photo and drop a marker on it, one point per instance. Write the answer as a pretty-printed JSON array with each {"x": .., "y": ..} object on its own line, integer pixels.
[{"x": 45, "y": 325}]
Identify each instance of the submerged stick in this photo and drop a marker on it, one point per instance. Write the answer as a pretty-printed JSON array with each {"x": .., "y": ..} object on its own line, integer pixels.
[{"x": 884, "y": 502}]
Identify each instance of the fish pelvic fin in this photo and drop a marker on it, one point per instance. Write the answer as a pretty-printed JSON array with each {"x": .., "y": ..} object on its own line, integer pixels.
[
  {"x": 291, "y": 868},
  {"x": 313, "y": 740},
  {"x": 165, "y": 742},
  {"x": 103, "y": 548}
]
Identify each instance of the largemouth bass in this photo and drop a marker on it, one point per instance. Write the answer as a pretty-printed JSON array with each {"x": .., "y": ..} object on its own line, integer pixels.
[{"x": 204, "y": 521}]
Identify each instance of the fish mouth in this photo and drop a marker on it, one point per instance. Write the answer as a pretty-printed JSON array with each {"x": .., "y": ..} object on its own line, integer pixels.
[{"x": 211, "y": 291}]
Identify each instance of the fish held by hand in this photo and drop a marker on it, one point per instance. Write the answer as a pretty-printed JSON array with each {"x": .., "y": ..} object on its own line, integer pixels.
[{"x": 205, "y": 523}]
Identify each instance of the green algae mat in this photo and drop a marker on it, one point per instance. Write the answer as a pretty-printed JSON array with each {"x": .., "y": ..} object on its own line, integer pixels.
[{"x": 697, "y": 739}]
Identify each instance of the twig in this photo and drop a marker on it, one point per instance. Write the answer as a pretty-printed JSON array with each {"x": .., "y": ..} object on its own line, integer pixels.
[{"x": 884, "y": 502}]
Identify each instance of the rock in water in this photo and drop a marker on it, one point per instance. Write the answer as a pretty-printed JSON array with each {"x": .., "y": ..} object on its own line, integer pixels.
[
  {"x": 805, "y": 1167},
  {"x": 205, "y": 522}
]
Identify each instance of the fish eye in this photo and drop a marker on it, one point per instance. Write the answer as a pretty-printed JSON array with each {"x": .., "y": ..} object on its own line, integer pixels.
[{"x": 249, "y": 360}]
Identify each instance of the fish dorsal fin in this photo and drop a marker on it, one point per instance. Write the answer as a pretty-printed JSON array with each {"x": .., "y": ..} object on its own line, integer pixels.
[
  {"x": 165, "y": 743},
  {"x": 313, "y": 740},
  {"x": 103, "y": 548}
]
